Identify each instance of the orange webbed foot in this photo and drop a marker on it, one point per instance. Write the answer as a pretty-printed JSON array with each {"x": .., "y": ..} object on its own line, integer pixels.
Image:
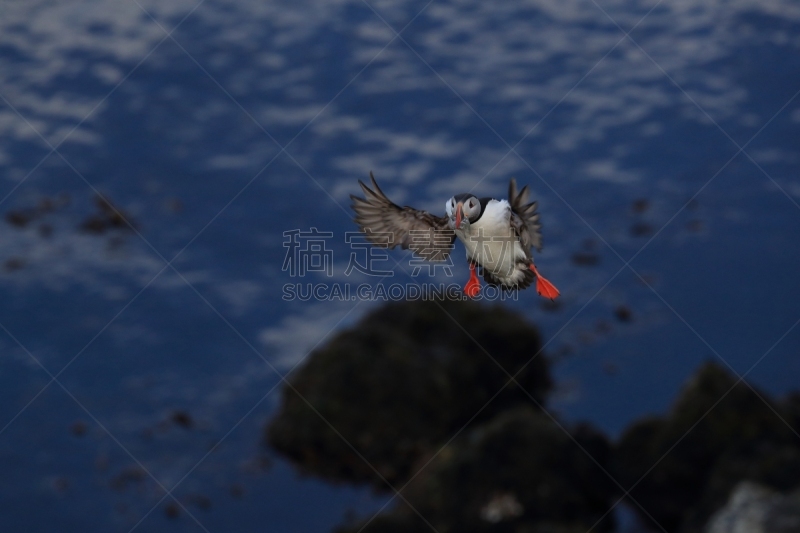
[
  {"x": 543, "y": 286},
  {"x": 473, "y": 286}
]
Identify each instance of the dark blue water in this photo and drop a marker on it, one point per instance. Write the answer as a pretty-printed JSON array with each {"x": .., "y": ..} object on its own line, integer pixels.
[{"x": 186, "y": 138}]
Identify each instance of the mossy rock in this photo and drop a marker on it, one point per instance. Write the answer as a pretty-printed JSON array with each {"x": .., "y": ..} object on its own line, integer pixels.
[{"x": 404, "y": 379}]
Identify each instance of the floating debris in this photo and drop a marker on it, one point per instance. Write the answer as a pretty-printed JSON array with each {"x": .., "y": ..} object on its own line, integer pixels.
[
  {"x": 647, "y": 279},
  {"x": 641, "y": 229},
  {"x": 562, "y": 352},
  {"x": 101, "y": 462},
  {"x": 602, "y": 327},
  {"x": 172, "y": 510},
  {"x": 623, "y": 313},
  {"x": 201, "y": 501},
  {"x": 20, "y": 218},
  {"x": 237, "y": 491},
  {"x": 45, "y": 230},
  {"x": 640, "y": 205},
  {"x": 60, "y": 484},
  {"x": 610, "y": 368},
  {"x": 12, "y": 264},
  {"x": 695, "y": 225},
  {"x": 551, "y": 306},
  {"x": 585, "y": 337},
  {"x": 585, "y": 259},
  {"x": 173, "y": 205},
  {"x": 130, "y": 475},
  {"x": 78, "y": 428},
  {"x": 182, "y": 418},
  {"x": 589, "y": 244},
  {"x": 257, "y": 465},
  {"x": 109, "y": 217},
  {"x": 46, "y": 205}
]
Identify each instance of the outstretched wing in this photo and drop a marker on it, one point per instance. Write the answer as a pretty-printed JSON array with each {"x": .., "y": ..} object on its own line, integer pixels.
[
  {"x": 524, "y": 218},
  {"x": 388, "y": 225}
]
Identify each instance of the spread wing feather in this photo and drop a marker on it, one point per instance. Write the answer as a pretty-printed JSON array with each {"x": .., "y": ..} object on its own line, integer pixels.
[
  {"x": 524, "y": 218},
  {"x": 388, "y": 225}
]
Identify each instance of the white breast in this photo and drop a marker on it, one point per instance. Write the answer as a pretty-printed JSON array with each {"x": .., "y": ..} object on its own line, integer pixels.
[{"x": 492, "y": 243}]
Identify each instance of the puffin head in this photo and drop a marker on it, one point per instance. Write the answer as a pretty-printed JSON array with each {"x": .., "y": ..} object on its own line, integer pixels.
[{"x": 462, "y": 209}]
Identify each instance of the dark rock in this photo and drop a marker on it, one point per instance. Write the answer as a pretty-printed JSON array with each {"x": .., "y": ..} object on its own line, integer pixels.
[
  {"x": 405, "y": 379},
  {"x": 683, "y": 466},
  {"x": 775, "y": 465},
  {"x": 754, "y": 508},
  {"x": 519, "y": 472}
]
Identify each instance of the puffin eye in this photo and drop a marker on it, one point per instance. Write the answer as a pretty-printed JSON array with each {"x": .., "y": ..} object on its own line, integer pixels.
[{"x": 471, "y": 204}]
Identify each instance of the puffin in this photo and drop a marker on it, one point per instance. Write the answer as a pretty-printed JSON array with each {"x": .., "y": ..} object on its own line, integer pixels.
[{"x": 497, "y": 234}]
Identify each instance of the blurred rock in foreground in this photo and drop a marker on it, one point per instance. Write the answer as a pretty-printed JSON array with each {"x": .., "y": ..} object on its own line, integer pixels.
[
  {"x": 418, "y": 390},
  {"x": 518, "y": 473},
  {"x": 753, "y": 508},
  {"x": 415, "y": 398},
  {"x": 719, "y": 432},
  {"x": 401, "y": 383}
]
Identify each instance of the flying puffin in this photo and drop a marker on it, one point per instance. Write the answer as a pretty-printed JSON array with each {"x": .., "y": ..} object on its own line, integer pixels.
[{"x": 498, "y": 234}]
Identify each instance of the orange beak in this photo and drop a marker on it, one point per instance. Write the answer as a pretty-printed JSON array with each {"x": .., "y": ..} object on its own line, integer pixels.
[{"x": 459, "y": 215}]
